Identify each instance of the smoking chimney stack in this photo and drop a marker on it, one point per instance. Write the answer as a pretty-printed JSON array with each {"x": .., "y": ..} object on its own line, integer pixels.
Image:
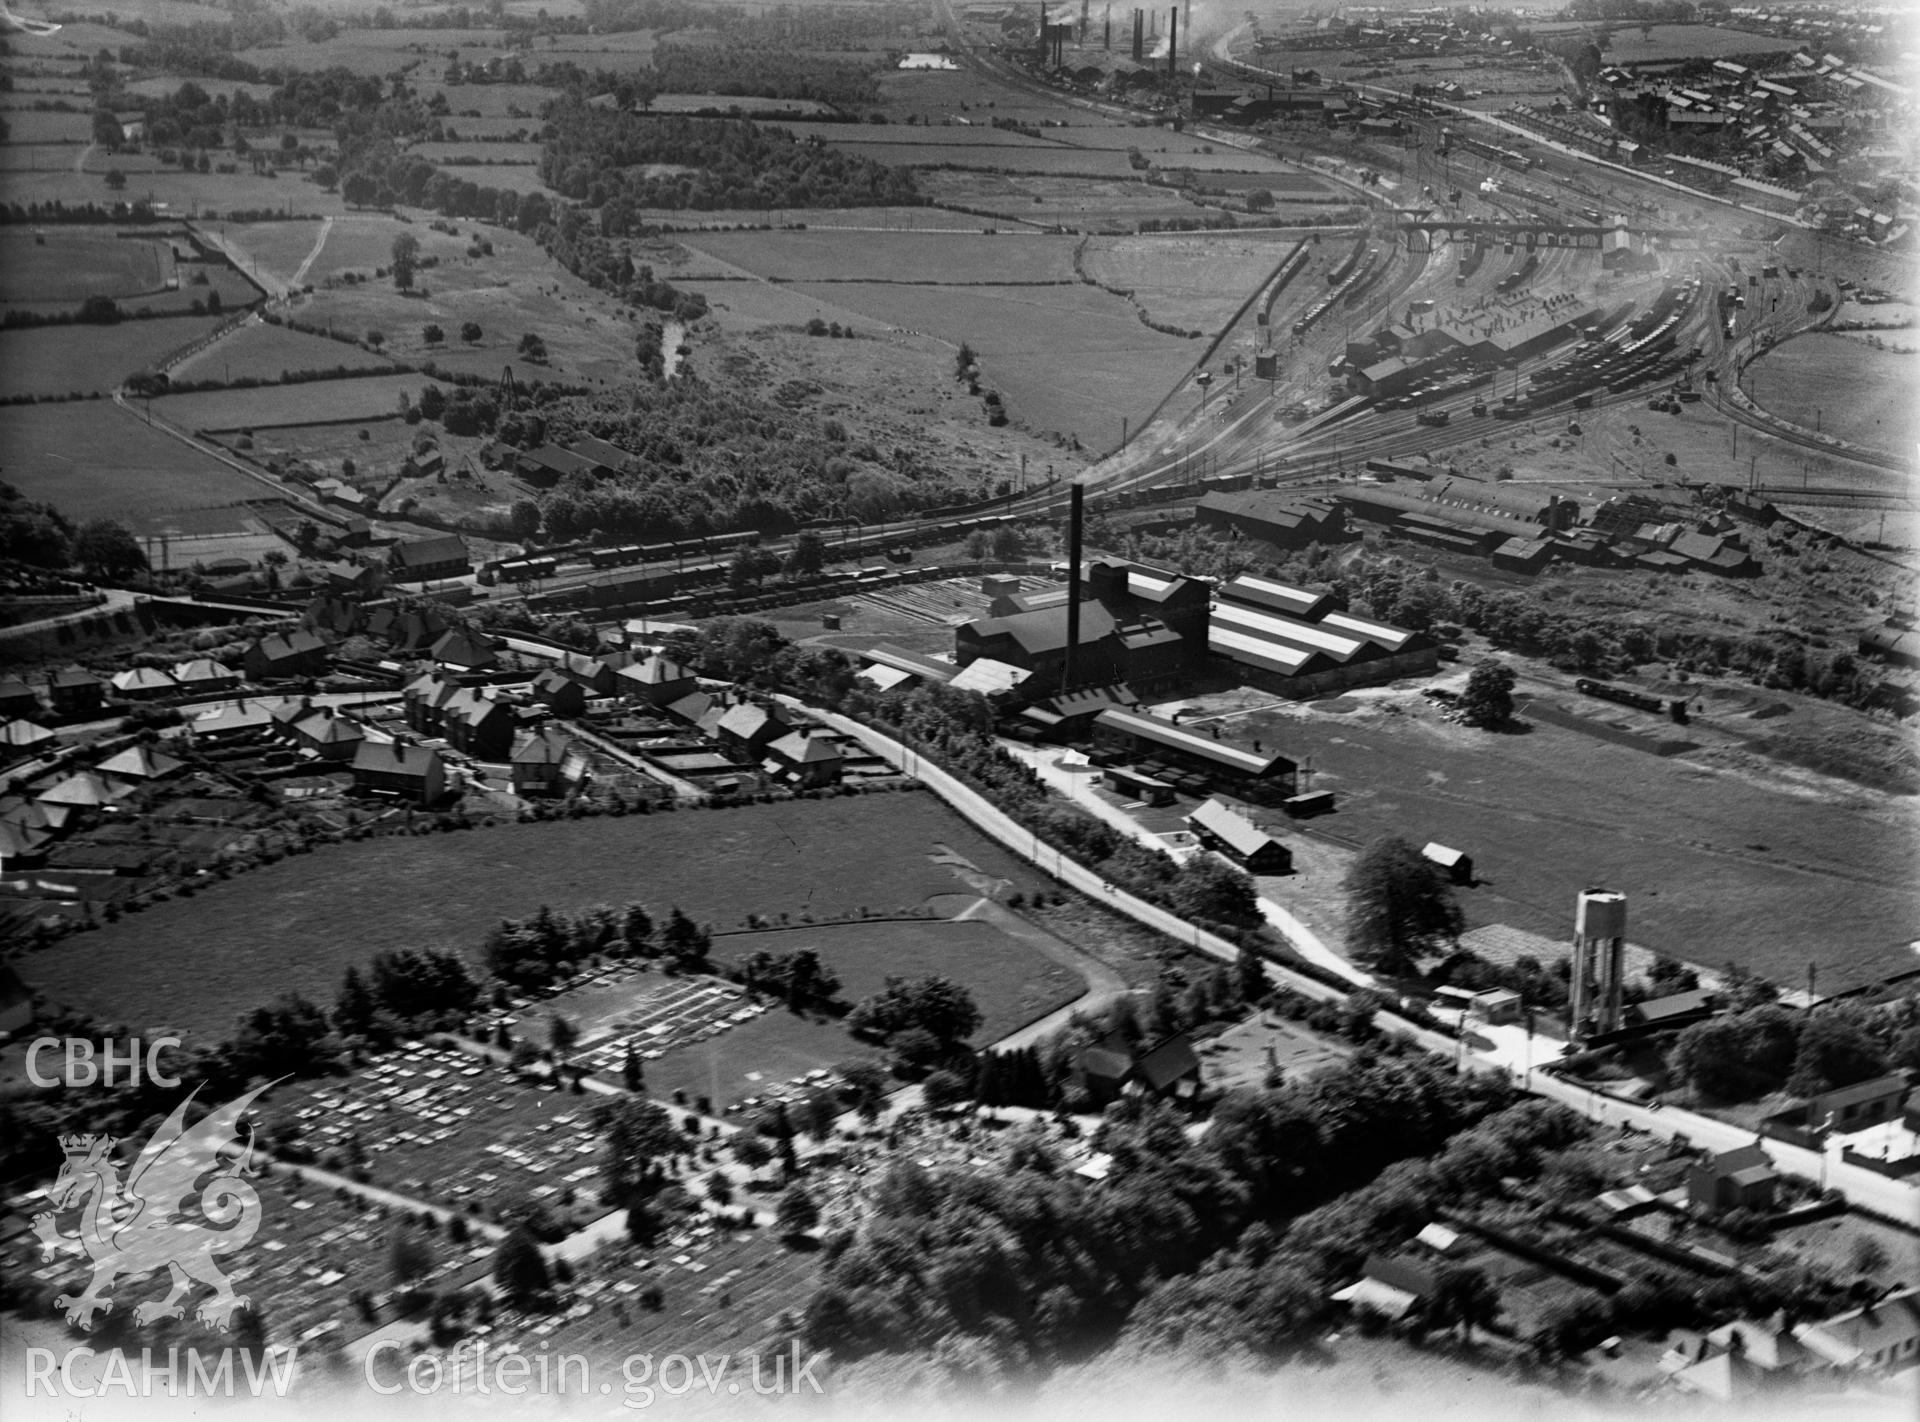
[
  {"x": 1073, "y": 588},
  {"x": 1173, "y": 47}
]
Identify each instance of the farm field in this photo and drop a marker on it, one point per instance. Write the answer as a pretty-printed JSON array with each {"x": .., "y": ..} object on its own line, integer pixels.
[
  {"x": 515, "y": 101},
  {"x": 1676, "y": 42},
  {"x": 912, "y": 138},
  {"x": 188, "y": 962},
  {"x": 482, "y": 155},
  {"x": 1843, "y": 384},
  {"x": 47, "y": 126},
  {"x": 269, "y": 352},
  {"x": 56, "y": 360},
  {"x": 69, "y": 266},
  {"x": 363, "y": 243},
  {"x": 1070, "y": 359},
  {"x": 276, "y": 247},
  {"x": 1035, "y": 158},
  {"x": 1723, "y": 859},
  {"x": 368, "y": 398},
  {"x": 928, "y": 258},
  {"x": 92, "y": 460},
  {"x": 747, "y": 105},
  {"x": 183, "y": 194},
  {"x": 1055, "y": 201}
]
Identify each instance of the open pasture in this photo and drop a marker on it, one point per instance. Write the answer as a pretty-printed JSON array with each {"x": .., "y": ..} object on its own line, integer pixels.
[
  {"x": 522, "y": 130},
  {"x": 274, "y": 247},
  {"x": 912, "y": 139},
  {"x": 1193, "y": 282},
  {"x": 1843, "y": 385},
  {"x": 473, "y": 154},
  {"x": 193, "y": 963},
  {"x": 1031, "y": 158},
  {"x": 91, "y": 460},
  {"x": 71, "y": 264},
  {"x": 1055, "y": 201},
  {"x": 165, "y": 86},
  {"x": 1069, "y": 359},
  {"x": 45, "y": 126},
  {"x": 37, "y": 158},
  {"x": 1677, "y": 42},
  {"x": 370, "y": 397},
  {"x": 362, "y": 243},
  {"x": 515, "y": 101},
  {"x": 57, "y": 360},
  {"x": 270, "y": 352},
  {"x": 932, "y": 258},
  {"x": 175, "y": 193},
  {"x": 751, "y": 106}
]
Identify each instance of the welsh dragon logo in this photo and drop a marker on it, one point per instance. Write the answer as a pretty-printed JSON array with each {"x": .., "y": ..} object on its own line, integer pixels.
[{"x": 149, "y": 1221}]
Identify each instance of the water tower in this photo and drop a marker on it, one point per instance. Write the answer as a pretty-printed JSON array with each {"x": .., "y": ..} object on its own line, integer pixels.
[{"x": 1599, "y": 953}]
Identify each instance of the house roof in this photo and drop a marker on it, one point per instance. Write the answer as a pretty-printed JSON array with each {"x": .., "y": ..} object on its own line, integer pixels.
[
  {"x": 748, "y": 720},
  {"x": 1233, "y": 829},
  {"x": 203, "y": 669},
  {"x": 396, "y": 758},
  {"x": 73, "y": 677},
  {"x": 83, "y": 788},
  {"x": 1860, "y": 1333},
  {"x": 913, "y": 663},
  {"x": 1440, "y": 854},
  {"x": 142, "y": 679},
  {"x": 1678, "y": 1004},
  {"x": 599, "y": 451},
  {"x": 1167, "y": 1063},
  {"x": 23, "y": 733},
  {"x": 457, "y": 647},
  {"x": 1405, "y": 1275},
  {"x": 285, "y": 646},
  {"x": 328, "y": 727},
  {"x": 548, "y": 746},
  {"x": 1877, "y": 1089},
  {"x": 1745, "y": 1157},
  {"x": 140, "y": 763},
  {"x": 808, "y": 747}
]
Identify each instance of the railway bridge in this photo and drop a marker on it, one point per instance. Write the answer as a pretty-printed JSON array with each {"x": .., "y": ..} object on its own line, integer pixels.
[{"x": 1422, "y": 232}]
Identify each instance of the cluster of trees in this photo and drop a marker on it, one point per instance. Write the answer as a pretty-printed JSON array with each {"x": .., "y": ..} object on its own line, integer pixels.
[
  {"x": 923, "y": 1021},
  {"x": 603, "y": 158},
  {"x": 39, "y": 534},
  {"x": 1033, "y": 1266},
  {"x": 548, "y": 947},
  {"x": 798, "y": 978},
  {"x": 591, "y": 252},
  {"x": 1741, "y": 1055},
  {"x": 776, "y": 72},
  {"x": 710, "y": 459}
]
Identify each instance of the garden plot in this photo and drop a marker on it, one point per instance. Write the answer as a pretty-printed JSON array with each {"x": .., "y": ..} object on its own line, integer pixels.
[{"x": 64, "y": 267}]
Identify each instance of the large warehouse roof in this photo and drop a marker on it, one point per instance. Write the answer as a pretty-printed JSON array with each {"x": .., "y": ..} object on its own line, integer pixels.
[{"x": 1165, "y": 733}]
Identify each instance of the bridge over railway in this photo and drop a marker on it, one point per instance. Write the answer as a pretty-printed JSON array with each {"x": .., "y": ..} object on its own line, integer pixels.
[{"x": 1531, "y": 233}]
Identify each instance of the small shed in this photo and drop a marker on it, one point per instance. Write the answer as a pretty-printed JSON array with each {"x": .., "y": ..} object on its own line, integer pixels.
[{"x": 1455, "y": 864}]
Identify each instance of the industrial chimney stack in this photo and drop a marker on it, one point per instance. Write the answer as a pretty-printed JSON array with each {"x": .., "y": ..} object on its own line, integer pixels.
[
  {"x": 1073, "y": 588},
  {"x": 1139, "y": 35},
  {"x": 1173, "y": 47}
]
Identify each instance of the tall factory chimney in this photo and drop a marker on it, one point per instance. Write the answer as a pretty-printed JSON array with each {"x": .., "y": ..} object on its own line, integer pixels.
[
  {"x": 1109, "y": 29},
  {"x": 1139, "y": 35},
  {"x": 1173, "y": 47},
  {"x": 1599, "y": 955},
  {"x": 1073, "y": 588},
  {"x": 1043, "y": 31}
]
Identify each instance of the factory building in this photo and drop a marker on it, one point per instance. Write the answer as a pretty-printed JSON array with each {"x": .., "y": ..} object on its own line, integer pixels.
[{"x": 1286, "y": 521}]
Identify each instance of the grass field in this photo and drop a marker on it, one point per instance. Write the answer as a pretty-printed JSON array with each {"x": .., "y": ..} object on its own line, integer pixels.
[
  {"x": 276, "y": 247},
  {"x": 367, "y": 398},
  {"x": 475, "y": 154},
  {"x": 1034, "y": 158},
  {"x": 1844, "y": 385},
  {"x": 926, "y": 257},
  {"x": 1051, "y": 201},
  {"x": 1722, "y": 858},
  {"x": 92, "y": 460},
  {"x": 44, "y": 126},
  {"x": 194, "y": 963},
  {"x": 70, "y": 265},
  {"x": 1071, "y": 359},
  {"x": 1673, "y": 42},
  {"x": 55, "y": 360},
  {"x": 270, "y": 351},
  {"x": 1196, "y": 283}
]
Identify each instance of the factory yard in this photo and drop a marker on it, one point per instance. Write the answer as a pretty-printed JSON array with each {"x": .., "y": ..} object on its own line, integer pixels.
[{"x": 1730, "y": 857}]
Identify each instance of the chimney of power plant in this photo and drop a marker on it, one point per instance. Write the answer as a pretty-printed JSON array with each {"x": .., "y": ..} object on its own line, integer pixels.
[
  {"x": 1073, "y": 588},
  {"x": 1043, "y": 31},
  {"x": 1173, "y": 47},
  {"x": 1108, "y": 36},
  {"x": 1139, "y": 35}
]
